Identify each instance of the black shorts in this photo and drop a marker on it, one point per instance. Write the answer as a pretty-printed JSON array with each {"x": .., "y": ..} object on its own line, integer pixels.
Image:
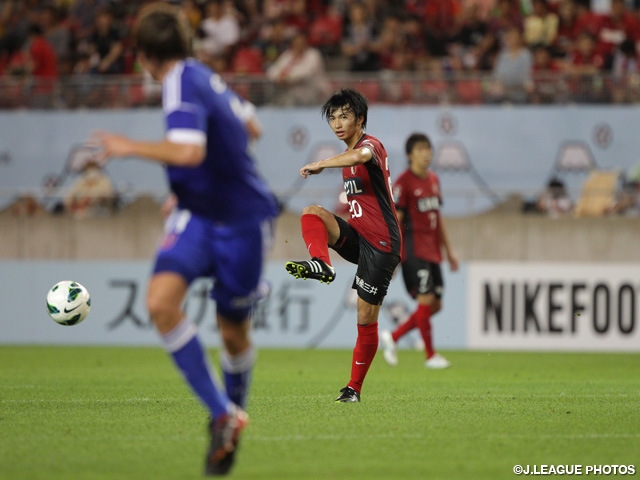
[
  {"x": 422, "y": 277},
  {"x": 375, "y": 267}
]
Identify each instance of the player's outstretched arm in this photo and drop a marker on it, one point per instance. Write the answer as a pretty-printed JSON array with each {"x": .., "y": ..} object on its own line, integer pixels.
[
  {"x": 349, "y": 158},
  {"x": 164, "y": 151}
]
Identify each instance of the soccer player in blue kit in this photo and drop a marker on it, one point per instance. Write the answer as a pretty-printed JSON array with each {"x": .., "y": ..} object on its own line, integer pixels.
[{"x": 221, "y": 226}]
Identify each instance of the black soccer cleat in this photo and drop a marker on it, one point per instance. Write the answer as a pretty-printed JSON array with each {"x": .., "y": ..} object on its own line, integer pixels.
[
  {"x": 315, "y": 268},
  {"x": 225, "y": 435},
  {"x": 348, "y": 395}
]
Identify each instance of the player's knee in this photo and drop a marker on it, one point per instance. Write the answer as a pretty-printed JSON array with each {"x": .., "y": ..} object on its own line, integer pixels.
[
  {"x": 314, "y": 210},
  {"x": 158, "y": 308}
]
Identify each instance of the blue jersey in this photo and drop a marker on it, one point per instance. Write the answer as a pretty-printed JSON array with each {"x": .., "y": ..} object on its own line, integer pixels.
[{"x": 200, "y": 109}]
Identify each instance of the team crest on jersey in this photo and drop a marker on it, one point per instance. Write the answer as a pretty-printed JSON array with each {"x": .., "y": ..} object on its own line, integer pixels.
[{"x": 354, "y": 186}]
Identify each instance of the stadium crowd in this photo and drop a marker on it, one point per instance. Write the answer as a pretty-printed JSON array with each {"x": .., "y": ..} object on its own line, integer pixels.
[{"x": 521, "y": 46}]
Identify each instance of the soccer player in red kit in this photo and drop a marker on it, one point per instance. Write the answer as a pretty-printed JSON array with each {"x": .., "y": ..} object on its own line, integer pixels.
[
  {"x": 370, "y": 238},
  {"x": 418, "y": 198}
]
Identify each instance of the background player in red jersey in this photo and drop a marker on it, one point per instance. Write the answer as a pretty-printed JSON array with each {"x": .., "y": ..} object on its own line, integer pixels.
[
  {"x": 370, "y": 238},
  {"x": 418, "y": 199}
]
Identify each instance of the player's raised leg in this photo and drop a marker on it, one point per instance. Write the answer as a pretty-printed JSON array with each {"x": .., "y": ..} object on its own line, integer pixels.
[{"x": 319, "y": 230}]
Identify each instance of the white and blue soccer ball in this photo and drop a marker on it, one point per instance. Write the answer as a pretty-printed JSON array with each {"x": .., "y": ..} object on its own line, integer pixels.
[{"x": 68, "y": 302}]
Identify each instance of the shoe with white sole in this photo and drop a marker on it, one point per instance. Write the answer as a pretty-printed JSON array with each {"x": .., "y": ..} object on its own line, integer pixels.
[
  {"x": 437, "y": 361},
  {"x": 388, "y": 348},
  {"x": 225, "y": 435}
]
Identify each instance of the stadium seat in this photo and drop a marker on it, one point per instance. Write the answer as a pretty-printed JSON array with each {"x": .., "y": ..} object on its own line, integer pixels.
[
  {"x": 325, "y": 31},
  {"x": 370, "y": 89},
  {"x": 433, "y": 91},
  {"x": 469, "y": 91},
  {"x": 247, "y": 60}
]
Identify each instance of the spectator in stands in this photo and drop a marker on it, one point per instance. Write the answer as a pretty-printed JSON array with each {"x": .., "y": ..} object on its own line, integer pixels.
[
  {"x": 105, "y": 45},
  {"x": 221, "y": 31},
  {"x": 619, "y": 25},
  {"x": 569, "y": 27},
  {"x": 546, "y": 70},
  {"x": 504, "y": 15},
  {"x": 583, "y": 66},
  {"x": 300, "y": 73},
  {"x": 251, "y": 20},
  {"x": 416, "y": 48},
  {"x": 92, "y": 193},
  {"x": 57, "y": 34},
  {"x": 292, "y": 12},
  {"x": 274, "y": 39},
  {"x": 466, "y": 47},
  {"x": 391, "y": 46},
  {"x": 441, "y": 18},
  {"x": 12, "y": 53},
  {"x": 541, "y": 27},
  {"x": 42, "y": 65},
  {"x": 584, "y": 58},
  {"x": 358, "y": 41},
  {"x": 83, "y": 19},
  {"x": 42, "y": 56},
  {"x": 192, "y": 12},
  {"x": 626, "y": 73},
  {"x": 512, "y": 73}
]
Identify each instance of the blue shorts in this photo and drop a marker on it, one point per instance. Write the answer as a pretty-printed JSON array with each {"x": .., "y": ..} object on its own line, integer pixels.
[{"x": 232, "y": 256}]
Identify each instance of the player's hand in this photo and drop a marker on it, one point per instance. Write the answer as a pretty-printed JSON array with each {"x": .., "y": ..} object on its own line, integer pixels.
[
  {"x": 110, "y": 145},
  {"x": 453, "y": 262},
  {"x": 311, "y": 169}
]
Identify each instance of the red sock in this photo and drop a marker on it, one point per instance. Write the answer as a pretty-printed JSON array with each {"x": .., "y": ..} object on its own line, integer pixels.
[
  {"x": 315, "y": 236},
  {"x": 405, "y": 327},
  {"x": 423, "y": 321},
  {"x": 363, "y": 354}
]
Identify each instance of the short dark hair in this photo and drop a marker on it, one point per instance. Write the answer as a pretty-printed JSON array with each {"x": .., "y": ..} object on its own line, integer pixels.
[
  {"x": 416, "y": 138},
  {"x": 162, "y": 33},
  {"x": 349, "y": 100}
]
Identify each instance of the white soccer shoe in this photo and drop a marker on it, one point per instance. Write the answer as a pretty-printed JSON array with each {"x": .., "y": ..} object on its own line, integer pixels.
[
  {"x": 437, "y": 361},
  {"x": 388, "y": 348}
]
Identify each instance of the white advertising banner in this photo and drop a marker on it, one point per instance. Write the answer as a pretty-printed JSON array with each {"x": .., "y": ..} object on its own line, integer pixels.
[
  {"x": 297, "y": 314},
  {"x": 555, "y": 306}
]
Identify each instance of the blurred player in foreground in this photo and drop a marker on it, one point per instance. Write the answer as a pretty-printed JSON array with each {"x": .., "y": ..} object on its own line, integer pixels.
[
  {"x": 370, "y": 238},
  {"x": 220, "y": 227},
  {"x": 418, "y": 199}
]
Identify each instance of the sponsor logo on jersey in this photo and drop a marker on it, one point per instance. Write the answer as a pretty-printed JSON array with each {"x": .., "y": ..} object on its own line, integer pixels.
[
  {"x": 428, "y": 203},
  {"x": 353, "y": 186}
]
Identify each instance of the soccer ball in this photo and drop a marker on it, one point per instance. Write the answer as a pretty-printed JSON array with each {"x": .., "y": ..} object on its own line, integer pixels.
[{"x": 68, "y": 302}]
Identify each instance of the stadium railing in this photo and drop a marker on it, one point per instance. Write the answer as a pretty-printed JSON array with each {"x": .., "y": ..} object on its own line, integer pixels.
[{"x": 382, "y": 87}]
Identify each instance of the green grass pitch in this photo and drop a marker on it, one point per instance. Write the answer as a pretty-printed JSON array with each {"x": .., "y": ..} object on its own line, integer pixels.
[{"x": 124, "y": 413}]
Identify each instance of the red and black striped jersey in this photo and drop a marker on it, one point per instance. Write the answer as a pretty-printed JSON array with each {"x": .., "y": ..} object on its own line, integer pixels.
[
  {"x": 419, "y": 199},
  {"x": 369, "y": 195}
]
